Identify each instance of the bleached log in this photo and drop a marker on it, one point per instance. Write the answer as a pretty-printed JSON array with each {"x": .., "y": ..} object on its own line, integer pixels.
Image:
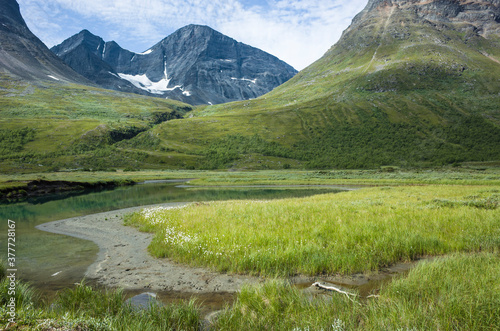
[
  {"x": 373, "y": 296},
  {"x": 333, "y": 288}
]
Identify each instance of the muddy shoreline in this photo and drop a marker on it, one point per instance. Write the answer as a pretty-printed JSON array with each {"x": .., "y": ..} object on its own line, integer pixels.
[
  {"x": 42, "y": 188},
  {"x": 124, "y": 262}
]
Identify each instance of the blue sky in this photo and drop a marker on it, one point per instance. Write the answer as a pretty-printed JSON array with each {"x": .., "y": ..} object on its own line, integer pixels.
[{"x": 297, "y": 31}]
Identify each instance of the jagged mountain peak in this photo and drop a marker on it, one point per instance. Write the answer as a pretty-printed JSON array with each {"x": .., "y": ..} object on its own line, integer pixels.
[
  {"x": 196, "y": 64},
  {"x": 92, "y": 42}
]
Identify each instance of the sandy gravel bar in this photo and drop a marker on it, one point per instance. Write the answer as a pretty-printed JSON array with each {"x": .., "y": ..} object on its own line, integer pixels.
[{"x": 123, "y": 260}]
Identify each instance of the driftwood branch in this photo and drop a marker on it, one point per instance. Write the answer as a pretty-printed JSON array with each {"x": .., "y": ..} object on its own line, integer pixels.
[
  {"x": 373, "y": 296},
  {"x": 334, "y": 288}
]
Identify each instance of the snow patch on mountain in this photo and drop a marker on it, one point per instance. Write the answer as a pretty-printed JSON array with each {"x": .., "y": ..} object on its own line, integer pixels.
[
  {"x": 144, "y": 83},
  {"x": 245, "y": 79}
]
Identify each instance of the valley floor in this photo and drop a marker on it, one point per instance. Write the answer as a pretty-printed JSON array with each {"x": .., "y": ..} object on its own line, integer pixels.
[{"x": 400, "y": 216}]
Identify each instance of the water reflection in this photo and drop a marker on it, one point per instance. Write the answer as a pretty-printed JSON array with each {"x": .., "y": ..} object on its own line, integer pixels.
[{"x": 51, "y": 260}]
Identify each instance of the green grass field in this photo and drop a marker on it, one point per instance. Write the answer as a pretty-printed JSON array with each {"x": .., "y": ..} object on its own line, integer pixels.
[{"x": 355, "y": 231}]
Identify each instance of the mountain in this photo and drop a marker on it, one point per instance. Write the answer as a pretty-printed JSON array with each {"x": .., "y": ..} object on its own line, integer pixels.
[
  {"x": 51, "y": 117},
  {"x": 195, "y": 64},
  {"x": 23, "y": 55},
  {"x": 409, "y": 83},
  {"x": 84, "y": 52}
]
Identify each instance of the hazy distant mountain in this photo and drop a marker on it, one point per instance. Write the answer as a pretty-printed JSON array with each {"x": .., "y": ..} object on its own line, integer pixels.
[
  {"x": 195, "y": 64},
  {"x": 23, "y": 55}
]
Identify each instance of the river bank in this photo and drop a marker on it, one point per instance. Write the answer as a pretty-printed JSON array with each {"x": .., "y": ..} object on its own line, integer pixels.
[
  {"x": 41, "y": 188},
  {"x": 123, "y": 260}
]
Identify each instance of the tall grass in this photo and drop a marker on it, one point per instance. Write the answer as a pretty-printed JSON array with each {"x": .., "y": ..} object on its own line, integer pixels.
[
  {"x": 85, "y": 308},
  {"x": 335, "y": 233},
  {"x": 84, "y": 300},
  {"x": 457, "y": 292},
  {"x": 460, "y": 292},
  {"x": 277, "y": 305},
  {"x": 110, "y": 310},
  {"x": 24, "y": 294}
]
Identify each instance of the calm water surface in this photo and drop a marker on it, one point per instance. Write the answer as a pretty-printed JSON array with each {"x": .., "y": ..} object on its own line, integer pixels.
[{"x": 51, "y": 262}]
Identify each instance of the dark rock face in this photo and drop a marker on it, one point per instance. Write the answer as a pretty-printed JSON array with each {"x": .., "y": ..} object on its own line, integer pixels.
[
  {"x": 23, "y": 55},
  {"x": 84, "y": 53},
  {"x": 195, "y": 64}
]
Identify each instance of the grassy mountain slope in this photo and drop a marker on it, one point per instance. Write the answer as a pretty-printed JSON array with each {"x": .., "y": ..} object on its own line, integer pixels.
[
  {"x": 396, "y": 89},
  {"x": 406, "y": 85},
  {"x": 53, "y": 125}
]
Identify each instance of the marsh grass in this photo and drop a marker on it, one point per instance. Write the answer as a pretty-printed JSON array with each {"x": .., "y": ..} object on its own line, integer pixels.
[
  {"x": 456, "y": 292},
  {"x": 277, "y": 305},
  {"x": 25, "y": 295},
  {"x": 348, "y": 232},
  {"x": 109, "y": 308},
  {"x": 84, "y": 300},
  {"x": 460, "y": 291},
  {"x": 85, "y": 308},
  {"x": 487, "y": 175}
]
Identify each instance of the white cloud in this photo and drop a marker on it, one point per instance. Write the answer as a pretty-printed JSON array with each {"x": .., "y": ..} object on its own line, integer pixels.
[{"x": 296, "y": 31}]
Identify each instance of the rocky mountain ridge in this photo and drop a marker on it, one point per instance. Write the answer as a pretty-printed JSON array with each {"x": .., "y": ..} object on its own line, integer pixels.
[
  {"x": 195, "y": 64},
  {"x": 23, "y": 55}
]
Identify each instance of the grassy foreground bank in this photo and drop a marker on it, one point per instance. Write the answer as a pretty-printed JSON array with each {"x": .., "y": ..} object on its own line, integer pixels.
[
  {"x": 456, "y": 292},
  {"x": 347, "y": 232}
]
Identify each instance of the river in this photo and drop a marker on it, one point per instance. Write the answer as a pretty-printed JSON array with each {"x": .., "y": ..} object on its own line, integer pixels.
[{"x": 40, "y": 256}]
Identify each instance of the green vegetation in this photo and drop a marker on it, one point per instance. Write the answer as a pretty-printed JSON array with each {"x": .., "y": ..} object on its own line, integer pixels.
[
  {"x": 394, "y": 91},
  {"x": 14, "y": 187},
  {"x": 401, "y": 99},
  {"x": 53, "y": 126},
  {"x": 362, "y": 230},
  {"x": 384, "y": 95},
  {"x": 84, "y": 308},
  {"x": 470, "y": 174},
  {"x": 347, "y": 232},
  {"x": 276, "y": 305},
  {"x": 458, "y": 292}
]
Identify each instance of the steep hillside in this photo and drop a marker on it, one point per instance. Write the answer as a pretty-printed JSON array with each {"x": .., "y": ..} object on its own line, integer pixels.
[
  {"x": 195, "y": 64},
  {"x": 409, "y": 83},
  {"x": 53, "y": 126},
  {"x": 23, "y": 55}
]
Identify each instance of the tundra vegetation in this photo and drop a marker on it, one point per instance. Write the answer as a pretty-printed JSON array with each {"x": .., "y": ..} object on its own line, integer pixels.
[{"x": 344, "y": 233}]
